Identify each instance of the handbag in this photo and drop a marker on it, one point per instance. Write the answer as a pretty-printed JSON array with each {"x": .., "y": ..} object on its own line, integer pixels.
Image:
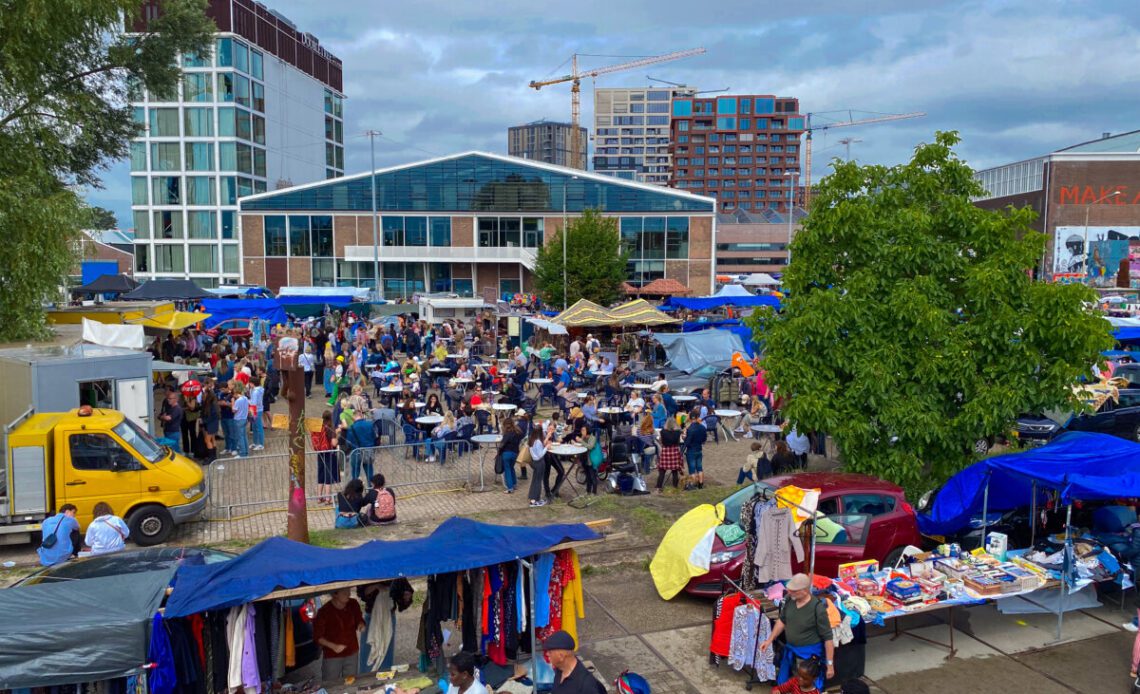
[
  {"x": 596, "y": 455},
  {"x": 498, "y": 463},
  {"x": 524, "y": 455},
  {"x": 49, "y": 541}
]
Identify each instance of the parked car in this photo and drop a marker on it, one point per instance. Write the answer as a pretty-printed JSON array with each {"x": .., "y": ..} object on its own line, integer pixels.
[
  {"x": 876, "y": 519},
  {"x": 235, "y": 329},
  {"x": 1118, "y": 418}
]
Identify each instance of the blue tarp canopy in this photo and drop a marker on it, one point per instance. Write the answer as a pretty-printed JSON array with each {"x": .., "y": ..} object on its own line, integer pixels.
[
  {"x": 229, "y": 309},
  {"x": 732, "y": 325},
  {"x": 1126, "y": 333},
  {"x": 705, "y": 303},
  {"x": 457, "y": 544},
  {"x": 691, "y": 352},
  {"x": 335, "y": 301},
  {"x": 1078, "y": 465}
]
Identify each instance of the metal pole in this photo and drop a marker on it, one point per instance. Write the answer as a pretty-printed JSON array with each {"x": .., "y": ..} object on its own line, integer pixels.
[
  {"x": 375, "y": 214},
  {"x": 530, "y": 622},
  {"x": 985, "y": 509},
  {"x": 1085, "y": 247},
  {"x": 565, "y": 187},
  {"x": 1033, "y": 517},
  {"x": 1066, "y": 567}
]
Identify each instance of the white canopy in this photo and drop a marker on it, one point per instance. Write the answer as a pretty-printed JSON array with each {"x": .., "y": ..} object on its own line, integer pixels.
[
  {"x": 323, "y": 291},
  {"x": 732, "y": 290},
  {"x": 108, "y": 335},
  {"x": 760, "y": 279}
]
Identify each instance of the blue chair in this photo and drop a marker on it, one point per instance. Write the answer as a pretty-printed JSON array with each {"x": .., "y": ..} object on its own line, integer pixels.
[
  {"x": 464, "y": 438},
  {"x": 448, "y": 443},
  {"x": 385, "y": 429},
  {"x": 547, "y": 393},
  {"x": 711, "y": 423},
  {"x": 413, "y": 435}
]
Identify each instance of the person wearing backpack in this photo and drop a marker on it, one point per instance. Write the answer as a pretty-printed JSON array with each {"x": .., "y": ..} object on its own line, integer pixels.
[
  {"x": 107, "y": 533},
  {"x": 380, "y": 502},
  {"x": 60, "y": 537}
]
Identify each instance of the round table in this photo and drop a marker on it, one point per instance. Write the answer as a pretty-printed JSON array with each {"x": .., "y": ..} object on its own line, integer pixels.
[
  {"x": 507, "y": 372},
  {"x": 392, "y": 392},
  {"x": 439, "y": 370},
  {"x": 727, "y": 414},
  {"x": 486, "y": 441},
  {"x": 464, "y": 382},
  {"x": 501, "y": 409},
  {"x": 685, "y": 398},
  {"x": 539, "y": 382},
  {"x": 571, "y": 451},
  {"x": 640, "y": 386},
  {"x": 765, "y": 429},
  {"x": 430, "y": 420},
  {"x": 456, "y": 357}
]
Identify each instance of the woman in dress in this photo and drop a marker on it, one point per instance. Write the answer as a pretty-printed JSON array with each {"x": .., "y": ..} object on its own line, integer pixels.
[{"x": 670, "y": 460}]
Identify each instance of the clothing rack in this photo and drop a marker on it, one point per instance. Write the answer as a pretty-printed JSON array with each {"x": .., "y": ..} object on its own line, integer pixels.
[
  {"x": 752, "y": 678},
  {"x": 769, "y": 494}
]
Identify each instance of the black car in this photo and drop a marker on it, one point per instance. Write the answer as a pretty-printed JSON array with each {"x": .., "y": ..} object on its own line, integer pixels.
[
  {"x": 1118, "y": 418},
  {"x": 131, "y": 561}
]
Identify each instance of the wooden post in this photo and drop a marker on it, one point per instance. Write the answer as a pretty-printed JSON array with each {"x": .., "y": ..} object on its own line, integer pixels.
[{"x": 293, "y": 392}]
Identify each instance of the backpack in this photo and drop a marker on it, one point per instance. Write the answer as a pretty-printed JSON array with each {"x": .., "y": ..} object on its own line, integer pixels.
[{"x": 384, "y": 508}]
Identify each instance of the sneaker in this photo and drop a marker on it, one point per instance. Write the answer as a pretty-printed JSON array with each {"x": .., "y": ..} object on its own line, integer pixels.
[
  {"x": 1130, "y": 626},
  {"x": 748, "y": 435}
]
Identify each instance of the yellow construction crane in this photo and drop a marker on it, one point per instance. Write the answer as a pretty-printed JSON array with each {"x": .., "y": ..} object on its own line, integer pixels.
[
  {"x": 575, "y": 78},
  {"x": 851, "y": 120}
]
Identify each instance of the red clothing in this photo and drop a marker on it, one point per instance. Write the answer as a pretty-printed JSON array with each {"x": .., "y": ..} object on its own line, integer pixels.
[
  {"x": 339, "y": 627},
  {"x": 722, "y": 625},
  {"x": 792, "y": 686}
]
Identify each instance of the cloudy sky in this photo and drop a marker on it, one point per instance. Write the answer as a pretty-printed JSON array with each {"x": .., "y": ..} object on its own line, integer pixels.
[{"x": 1017, "y": 78}]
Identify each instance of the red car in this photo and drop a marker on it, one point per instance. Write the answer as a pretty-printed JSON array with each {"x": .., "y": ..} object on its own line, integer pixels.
[
  {"x": 875, "y": 521},
  {"x": 234, "y": 328}
]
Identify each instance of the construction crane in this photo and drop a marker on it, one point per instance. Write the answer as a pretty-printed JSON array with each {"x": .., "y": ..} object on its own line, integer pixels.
[
  {"x": 685, "y": 86},
  {"x": 575, "y": 79},
  {"x": 851, "y": 120}
]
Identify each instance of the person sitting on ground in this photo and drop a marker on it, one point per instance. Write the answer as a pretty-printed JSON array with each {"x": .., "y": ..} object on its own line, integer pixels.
[
  {"x": 60, "y": 537},
  {"x": 107, "y": 532},
  {"x": 379, "y": 503},
  {"x": 349, "y": 501}
]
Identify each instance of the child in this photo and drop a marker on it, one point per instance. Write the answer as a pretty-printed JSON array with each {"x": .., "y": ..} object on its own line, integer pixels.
[
  {"x": 804, "y": 680},
  {"x": 749, "y": 465}
]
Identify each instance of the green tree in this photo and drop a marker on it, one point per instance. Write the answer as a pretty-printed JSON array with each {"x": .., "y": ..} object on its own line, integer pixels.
[
  {"x": 595, "y": 265},
  {"x": 68, "y": 73},
  {"x": 912, "y": 327},
  {"x": 102, "y": 218}
]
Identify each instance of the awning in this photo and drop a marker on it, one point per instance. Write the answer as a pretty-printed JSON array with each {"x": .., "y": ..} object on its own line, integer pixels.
[
  {"x": 552, "y": 328},
  {"x": 641, "y": 312},
  {"x": 160, "y": 365},
  {"x": 174, "y": 320}
]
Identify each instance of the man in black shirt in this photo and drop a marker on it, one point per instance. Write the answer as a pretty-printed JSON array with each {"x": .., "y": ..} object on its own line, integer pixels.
[{"x": 570, "y": 675}]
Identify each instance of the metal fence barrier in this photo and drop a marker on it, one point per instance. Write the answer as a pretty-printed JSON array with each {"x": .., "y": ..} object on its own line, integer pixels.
[{"x": 242, "y": 486}]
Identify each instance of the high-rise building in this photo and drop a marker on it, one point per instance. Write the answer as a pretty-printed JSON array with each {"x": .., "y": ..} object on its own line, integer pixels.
[
  {"x": 742, "y": 150},
  {"x": 546, "y": 142},
  {"x": 631, "y": 132},
  {"x": 263, "y": 110}
]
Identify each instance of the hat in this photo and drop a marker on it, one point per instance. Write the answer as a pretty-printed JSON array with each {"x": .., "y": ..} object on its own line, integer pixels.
[
  {"x": 340, "y": 358},
  {"x": 799, "y": 582},
  {"x": 558, "y": 641}
]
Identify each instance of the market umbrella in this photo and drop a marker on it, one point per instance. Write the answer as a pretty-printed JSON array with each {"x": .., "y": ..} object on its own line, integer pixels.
[
  {"x": 167, "y": 290},
  {"x": 191, "y": 388}
]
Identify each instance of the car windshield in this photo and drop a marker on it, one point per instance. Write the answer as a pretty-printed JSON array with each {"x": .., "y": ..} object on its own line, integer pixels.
[
  {"x": 733, "y": 503},
  {"x": 134, "y": 436}
]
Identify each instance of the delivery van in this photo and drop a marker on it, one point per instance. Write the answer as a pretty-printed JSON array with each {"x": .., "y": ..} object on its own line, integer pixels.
[{"x": 89, "y": 455}]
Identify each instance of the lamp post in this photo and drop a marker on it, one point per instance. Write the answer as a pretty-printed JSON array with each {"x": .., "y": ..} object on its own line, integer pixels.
[
  {"x": 375, "y": 213},
  {"x": 1088, "y": 254},
  {"x": 792, "y": 177},
  {"x": 565, "y": 188}
]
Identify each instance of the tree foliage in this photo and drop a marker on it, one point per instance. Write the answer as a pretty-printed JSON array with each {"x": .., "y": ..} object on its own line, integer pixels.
[
  {"x": 66, "y": 69},
  {"x": 595, "y": 266},
  {"x": 912, "y": 327},
  {"x": 101, "y": 218}
]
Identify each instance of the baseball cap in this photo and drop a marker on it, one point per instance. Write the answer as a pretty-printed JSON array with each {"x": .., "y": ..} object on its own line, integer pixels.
[{"x": 558, "y": 641}]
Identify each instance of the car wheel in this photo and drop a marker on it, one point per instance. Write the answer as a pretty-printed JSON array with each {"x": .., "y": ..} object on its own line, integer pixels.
[
  {"x": 893, "y": 558},
  {"x": 580, "y": 475},
  {"x": 150, "y": 525},
  {"x": 982, "y": 446}
]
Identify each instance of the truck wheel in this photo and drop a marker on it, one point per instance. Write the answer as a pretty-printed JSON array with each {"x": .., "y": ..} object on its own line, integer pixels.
[{"x": 150, "y": 525}]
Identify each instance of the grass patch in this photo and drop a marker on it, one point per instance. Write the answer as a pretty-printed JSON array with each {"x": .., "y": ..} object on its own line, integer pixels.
[
  {"x": 332, "y": 539},
  {"x": 652, "y": 523}
]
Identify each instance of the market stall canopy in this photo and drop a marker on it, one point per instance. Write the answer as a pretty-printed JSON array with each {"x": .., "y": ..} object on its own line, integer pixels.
[
  {"x": 457, "y": 544},
  {"x": 234, "y": 290},
  {"x": 584, "y": 314},
  {"x": 664, "y": 286},
  {"x": 641, "y": 312},
  {"x": 222, "y": 310},
  {"x": 732, "y": 290},
  {"x": 167, "y": 290},
  {"x": 77, "y": 631},
  {"x": 359, "y": 293},
  {"x": 170, "y": 320},
  {"x": 107, "y": 284},
  {"x": 761, "y": 279},
  {"x": 1078, "y": 465},
  {"x": 705, "y": 303},
  {"x": 691, "y": 352},
  {"x": 552, "y": 328}
]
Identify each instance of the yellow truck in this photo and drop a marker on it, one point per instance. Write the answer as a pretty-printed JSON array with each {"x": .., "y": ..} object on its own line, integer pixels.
[{"x": 88, "y": 455}]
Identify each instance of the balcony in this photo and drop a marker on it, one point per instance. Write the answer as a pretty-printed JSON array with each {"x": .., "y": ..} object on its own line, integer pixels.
[{"x": 448, "y": 254}]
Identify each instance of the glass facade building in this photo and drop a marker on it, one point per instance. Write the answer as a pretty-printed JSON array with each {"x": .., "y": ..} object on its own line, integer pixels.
[{"x": 467, "y": 224}]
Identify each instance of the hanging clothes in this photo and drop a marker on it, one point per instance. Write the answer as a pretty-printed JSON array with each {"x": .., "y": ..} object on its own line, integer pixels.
[
  {"x": 543, "y": 568},
  {"x": 290, "y": 641},
  {"x": 796, "y": 500},
  {"x": 748, "y": 522},
  {"x": 381, "y": 629},
  {"x": 162, "y": 678},
  {"x": 764, "y": 662},
  {"x": 723, "y": 611},
  {"x": 573, "y": 606},
  {"x": 742, "y": 647},
  {"x": 775, "y": 533}
]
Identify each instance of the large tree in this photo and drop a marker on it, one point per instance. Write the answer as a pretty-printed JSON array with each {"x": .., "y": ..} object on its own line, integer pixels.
[
  {"x": 66, "y": 71},
  {"x": 912, "y": 327},
  {"x": 595, "y": 264}
]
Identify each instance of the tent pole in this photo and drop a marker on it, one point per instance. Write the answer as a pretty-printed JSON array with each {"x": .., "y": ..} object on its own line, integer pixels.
[
  {"x": 530, "y": 622},
  {"x": 985, "y": 510},
  {"x": 1033, "y": 517},
  {"x": 1066, "y": 565}
]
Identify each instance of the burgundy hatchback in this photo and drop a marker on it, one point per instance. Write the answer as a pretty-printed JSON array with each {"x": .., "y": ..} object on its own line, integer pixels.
[{"x": 876, "y": 523}]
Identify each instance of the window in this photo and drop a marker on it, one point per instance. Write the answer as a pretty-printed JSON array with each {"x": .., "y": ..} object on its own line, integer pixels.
[
  {"x": 321, "y": 231},
  {"x": 275, "y": 236},
  {"x": 138, "y": 117},
  {"x": 415, "y": 231},
  {"x": 138, "y": 156},
  {"x": 199, "y": 156},
  {"x": 203, "y": 259},
  {"x": 244, "y": 125},
  {"x": 197, "y": 86},
  {"x": 677, "y": 238},
  {"x": 244, "y": 160},
  {"x": 870, "y": 504},
  {"x": 393, "y": 230},
  {"x": 255, "y": 64},
  {"x": 142, "y": 224},
  {"x": 441, "y": 231},
  {"x": 200, "y": 225},
  {"x": 200, "y": 190},
  {"x": 225, "y": 86},
  {"x": 230, "y": 264},
  {"x": 168, "y": 225},
  {"x": 227, "y": 156},
  {"x": 258, "y": 96},
  {"x": 726, "y": 104},
  {"x": 682, "y": 107},
  {"x": 100, "y": 452},
  {"x": 199, "y": 122},
  {"x": 241, "y": 90},
  {"x": 139, "y": 190},
  {"x": 259, "y": 163},
  {"x": 724, "y": 123},
  {"x": 227, "y": 223},
  {"x": 225, "y": 52},
  {"x": 765, "y": 106},
  {"x": 203, "y": 59},
  {"x": 141, "y": 255},
  {"x": 167, "y": 190},
  {"x": 164, "y": 122},
  {"x": 228, "y": 194},
  {"x": 169, "y": 258}
]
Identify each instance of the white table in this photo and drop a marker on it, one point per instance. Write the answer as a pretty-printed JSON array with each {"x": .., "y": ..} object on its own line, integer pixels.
[
  {"x": 610, "y": 410},
  {"x": 464, "y": 382},
  {"x": 430, "y": 419},
  {"x": 640, "y": 386},
  {"x": 727, "y": 414},
  {"x": 457, "y": 357},
  {"x": 571, "y": 451},
  {"x": 685, "y": 398},
  {"x": 439, "y": 370},
  {"x": 541, "y": 381},
  {"x": 507, "y": 372},
  {"x": 765, "y": 429},
  {"x": 486, "y": 440},
  {"x": 392, "y": 389},
  {"x": 504, "y": 407}
]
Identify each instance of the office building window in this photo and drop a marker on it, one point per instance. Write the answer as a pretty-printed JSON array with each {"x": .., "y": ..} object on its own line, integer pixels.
[
  {"x": 166, "y": 190},
  {"x": 200, "y": 190},
  {"x": 139, "y": 192},
  {"x": 441, "y": 232},
  {"x": 321, "y": 230},
  {"x": 225, "y": 86},
  {"x": 168, "y": 224},
  {"x": 228, "y": 231},
  {"x": 197, "y": 86},
  {"x": 141, "y": 256},
  {"x": 393, "y": 230},
  {"x": 225, "y": 52},
  {"x": 415, "y": 231},
  {"x": 164, "y": 122},
  {"x": 138, "y": 156},
  {"x": 142, "y": 224},
  {"x": 199, "y": 156},
  {"x": 230, "y": 264},
  {"x": 299, "y": 236},
  {"x": 168, "y": 258},
  {"x": 228, "y": 193},
  {"x": 203, "y": 259},
  {"x": 275, "y": 243},
  {"x": 323, "y": 269},
  {"x": 199, "y": 122},
  {"x": 256, "y": 60},
  {"x": 200, "y": 224}
]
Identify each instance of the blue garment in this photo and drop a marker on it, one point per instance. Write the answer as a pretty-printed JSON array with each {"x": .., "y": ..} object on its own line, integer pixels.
[
  {"x": 803, "y": 653},
  {"x": 61, "y": 527},
  {"x": 161, "y": 679},
  {"x": 361, "y": 434},
  {"x": 509, "y": 479},
  {"x": 564, "y": 379},
  {"x": 670, "y": 403},
  {"x": 241, "y": 408},
  {"x": 543, "y": 568},
  {"x": 520, "y": 608},
  {"x": 660, "y": 414},
  {"x": 696, "y": 436}
]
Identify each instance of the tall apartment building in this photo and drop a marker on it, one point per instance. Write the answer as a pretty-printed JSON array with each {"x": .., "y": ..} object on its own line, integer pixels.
[
  {"x": 547, "y": 142},
  {"x": 631, "y": 132},
  {"x": 262, "y": 111},
  {"x": 742, "y": 150}
]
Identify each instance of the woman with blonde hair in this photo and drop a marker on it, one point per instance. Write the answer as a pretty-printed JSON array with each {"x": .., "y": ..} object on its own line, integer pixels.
[{"x": 757, "y": 412}]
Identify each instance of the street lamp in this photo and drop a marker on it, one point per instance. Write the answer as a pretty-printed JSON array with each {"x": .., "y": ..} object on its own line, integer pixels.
[
  {"x": 375, "y": 213},
  {"x": 565, "y": 187},
  {"x": 792, "y": 177},
  {"x": 1087, "y": 208}
]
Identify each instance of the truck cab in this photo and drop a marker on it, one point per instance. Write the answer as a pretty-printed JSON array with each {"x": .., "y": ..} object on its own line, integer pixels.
[{"x": 89, "y": 455}]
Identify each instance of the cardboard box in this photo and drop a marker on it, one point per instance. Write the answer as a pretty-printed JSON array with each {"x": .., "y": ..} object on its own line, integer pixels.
[{"x": 853, "y": 570}]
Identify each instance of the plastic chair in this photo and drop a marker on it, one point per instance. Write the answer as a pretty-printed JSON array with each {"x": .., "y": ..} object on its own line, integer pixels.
[
  {"x": 712, "y": 423},
  {"x": 483, "y": 420},
  {"x": 412, "y": 437}
]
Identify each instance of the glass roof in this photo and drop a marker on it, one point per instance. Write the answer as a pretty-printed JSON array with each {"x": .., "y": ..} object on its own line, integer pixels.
[{"x": 478, "y": 183}]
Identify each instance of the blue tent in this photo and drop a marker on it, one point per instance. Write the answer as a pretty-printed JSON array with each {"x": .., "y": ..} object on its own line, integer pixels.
[
  {"x": 228, "y": 309},
  {"x": 335, "y": 301},
  {"x": 1078, "y": 465},
  {"x": 1126, "y": 333},
  {"x": 704, "y": 303},
  {"x": 457, "y": 544}
]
